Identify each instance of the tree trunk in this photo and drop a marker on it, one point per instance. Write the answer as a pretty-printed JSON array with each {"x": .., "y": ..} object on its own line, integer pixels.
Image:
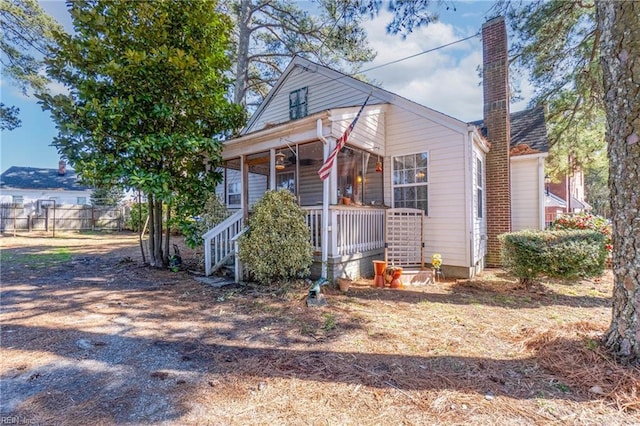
[
  {"x": 141, "y": 226},
  {"x": 620, "y": 61},
  {"x": 242, "y": 70},
  {"x": 155, "y": 233},
  {"x": 159, "y": 256},
  {"x": 166, "y": 240},
  {"x": 152, "y": 229}
]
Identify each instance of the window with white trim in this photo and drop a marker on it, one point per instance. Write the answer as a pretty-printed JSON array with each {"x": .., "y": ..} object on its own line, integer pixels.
[
  {"x": 286, "y": 180},
  {"x": 18, "y": 200},
  {"x": 411, "y": 182},
  {"x": 298, "y": 103},
  {"x": 81, "y": 201},
  {"x": 233, "y": 194},
  {"x": 479, "y": 188}
]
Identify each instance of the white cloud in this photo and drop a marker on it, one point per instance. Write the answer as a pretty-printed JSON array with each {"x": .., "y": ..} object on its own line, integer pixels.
[{"x": 445, "y": 80}]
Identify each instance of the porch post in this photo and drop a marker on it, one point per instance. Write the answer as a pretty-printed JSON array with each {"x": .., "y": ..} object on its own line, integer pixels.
[
  {"x": 244, "y": 187},
  {"x": 333, "y": 177},
  {"x": 325, "y": 211},
  {"x": 272, "y": 169}
]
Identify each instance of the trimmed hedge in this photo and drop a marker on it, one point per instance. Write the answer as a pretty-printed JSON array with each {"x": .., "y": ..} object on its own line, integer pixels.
[{"x": 569, "y": 254}]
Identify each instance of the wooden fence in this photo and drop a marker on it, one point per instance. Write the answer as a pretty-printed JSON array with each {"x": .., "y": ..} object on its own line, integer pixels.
[{"x": 18, "y": 218}]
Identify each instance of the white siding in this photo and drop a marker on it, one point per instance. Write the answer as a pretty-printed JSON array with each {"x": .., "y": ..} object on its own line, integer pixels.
[
  {"x": 257, "y": 186},
  {"x": 445, "y": 223},
  {"x": 525, "y": 190},
  {"x": 323, "y": 93},
  {"x": 30, "y": 196}
]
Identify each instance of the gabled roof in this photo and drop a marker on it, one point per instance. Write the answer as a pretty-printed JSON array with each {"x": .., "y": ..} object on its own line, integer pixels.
[
  {"x": 378, "y": 96},
  {"x": 528, "y": 128},
  {"x": 552, "y": 200},
  {"x": 34, "y": 178}
]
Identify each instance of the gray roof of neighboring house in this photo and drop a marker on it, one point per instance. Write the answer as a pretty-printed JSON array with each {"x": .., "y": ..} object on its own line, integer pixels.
[
  {"x": 527, "y": 127},
  {"x": 35, "y": 178}
]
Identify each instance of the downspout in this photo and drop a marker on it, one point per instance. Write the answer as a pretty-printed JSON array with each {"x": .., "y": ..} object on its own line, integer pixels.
[
  {"x": 468, "y": 189},
  {"x": 541, "y": 195},
  {"x": 325, "y": 204}
]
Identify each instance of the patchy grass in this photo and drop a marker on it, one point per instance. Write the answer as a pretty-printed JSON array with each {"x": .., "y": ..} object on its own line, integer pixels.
[
  {"x": 94, "y": 340},
  {"x": 41, "y": 259}
]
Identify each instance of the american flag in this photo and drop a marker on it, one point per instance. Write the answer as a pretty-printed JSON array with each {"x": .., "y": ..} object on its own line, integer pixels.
[{"x": 325, "y": 170}]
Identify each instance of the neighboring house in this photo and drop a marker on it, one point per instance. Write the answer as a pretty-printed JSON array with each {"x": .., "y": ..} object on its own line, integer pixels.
[
  {"x": 410, "y": 182},
  {"x": 31, "y": 186},
  {"x": 529, "y": 148},
  {"x": 565, "y": 196}
]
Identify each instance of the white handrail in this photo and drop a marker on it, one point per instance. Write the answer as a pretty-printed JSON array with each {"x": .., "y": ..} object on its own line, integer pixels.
[
  {"x": 218, "y": 242},
  {"x": 239, "y": 270}
]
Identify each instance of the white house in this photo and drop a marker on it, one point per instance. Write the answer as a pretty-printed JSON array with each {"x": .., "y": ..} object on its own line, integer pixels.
[
  {"x": 29, "y": 186},
  {"x": 410, "y": 182}
]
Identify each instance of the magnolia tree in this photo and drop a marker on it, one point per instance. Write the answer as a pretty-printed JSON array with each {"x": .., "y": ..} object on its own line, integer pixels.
[{"x": 147, "y": 106}]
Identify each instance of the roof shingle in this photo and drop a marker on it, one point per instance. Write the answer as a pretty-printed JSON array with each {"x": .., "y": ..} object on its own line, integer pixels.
[
  {"x": 16, "y": 177},
  {"x": 527, "y": 127}
]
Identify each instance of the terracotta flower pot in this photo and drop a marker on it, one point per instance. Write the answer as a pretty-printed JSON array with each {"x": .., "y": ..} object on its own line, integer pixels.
[
  {"x": 344, "y": 284},
  {"x": 395, "y": 281},
  {"x": 379, "y": 266}
]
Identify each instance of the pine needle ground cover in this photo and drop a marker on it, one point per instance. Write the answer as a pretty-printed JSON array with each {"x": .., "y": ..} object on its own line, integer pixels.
[{"x": 95, "y": 337}]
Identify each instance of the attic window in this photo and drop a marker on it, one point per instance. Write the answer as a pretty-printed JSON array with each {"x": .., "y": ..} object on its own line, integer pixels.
[{"x": 298, "y": 104}]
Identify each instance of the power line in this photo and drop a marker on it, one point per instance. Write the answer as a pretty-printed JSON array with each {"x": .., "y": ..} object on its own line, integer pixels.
[
  {"x": 420, "y": 53},
  {"x": 353, "y": 75}
]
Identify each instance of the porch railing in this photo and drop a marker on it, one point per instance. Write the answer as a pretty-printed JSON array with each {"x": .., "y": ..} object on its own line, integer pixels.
[
  {"x": 354, "y": 229},
  {"x": 218, "y": 242}
]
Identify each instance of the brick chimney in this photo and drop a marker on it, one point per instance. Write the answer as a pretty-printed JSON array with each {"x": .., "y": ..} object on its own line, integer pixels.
[
  {"x": 62, "y": 168},
  {"x": 495, "y": 81}
]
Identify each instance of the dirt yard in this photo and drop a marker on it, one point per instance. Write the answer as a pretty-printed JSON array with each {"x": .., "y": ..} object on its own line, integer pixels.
[{"x": 90, "y": 336}]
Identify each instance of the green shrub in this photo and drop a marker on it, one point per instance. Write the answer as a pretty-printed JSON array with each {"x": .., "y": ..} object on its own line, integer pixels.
[
  {"x": 276, "y": 247},
  {"x": 569, "y": 254},
  {"x": 193, "y": 228},
  {"x": 134, "y": 220}
]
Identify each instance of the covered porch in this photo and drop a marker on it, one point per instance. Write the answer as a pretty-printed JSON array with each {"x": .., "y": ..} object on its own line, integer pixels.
[{"x": 345, "y": 213}]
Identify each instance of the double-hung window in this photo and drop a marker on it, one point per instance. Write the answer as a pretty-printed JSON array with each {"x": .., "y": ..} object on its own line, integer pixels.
[
  {"x": 233, "y": 193},
  {"x": 479, "y": 188},
  {"x": 410, "y": 181}
]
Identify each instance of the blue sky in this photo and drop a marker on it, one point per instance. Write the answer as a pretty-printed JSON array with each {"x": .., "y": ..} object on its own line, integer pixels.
[{"x": 445, "y": 80}]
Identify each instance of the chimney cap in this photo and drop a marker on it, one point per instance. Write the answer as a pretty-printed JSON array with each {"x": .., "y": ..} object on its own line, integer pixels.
[{"x": 62, "y": 168}]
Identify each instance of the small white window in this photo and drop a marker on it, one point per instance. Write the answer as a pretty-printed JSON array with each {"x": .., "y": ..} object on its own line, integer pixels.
[
  {"x": 286, "y": 181},
  {"x": 82, "y": 201},
  {"x": 233, "y": 193},
  {"x": 479, "y": 188},
  {"x": 18, "y": 200}
]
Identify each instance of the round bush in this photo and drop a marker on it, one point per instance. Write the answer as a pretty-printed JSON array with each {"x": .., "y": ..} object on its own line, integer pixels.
[{"x": 277, "y": 246}]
